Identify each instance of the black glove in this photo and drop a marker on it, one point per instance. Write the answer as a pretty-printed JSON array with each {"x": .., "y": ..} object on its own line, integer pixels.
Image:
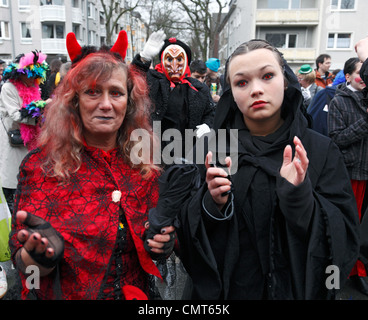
[
  {"x": 167, "y": 248},
  {"x": 55, "y": 240}
]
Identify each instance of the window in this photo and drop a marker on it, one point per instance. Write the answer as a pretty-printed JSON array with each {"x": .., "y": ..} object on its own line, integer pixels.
[
  {"x": 25, "y": 29},
  {"x": 4, "y": 30},
  {"x": 282, "y": 40},
  {"x": 102, "y": 18},
  {"x": 52, "y": 31},
  {"x": 91, "y": 10},
  {"x": 53, "y": 2},
  {"x": 4, "y": 3},
  {"x": 343, "y": 4},
  {"x": 339, "y": 41},
  {"x": 92, "y": 38},
  {"x": 284, "y": 4},
  {"x": 76, "y": 30},
  {"x": 23, "y": 5}
]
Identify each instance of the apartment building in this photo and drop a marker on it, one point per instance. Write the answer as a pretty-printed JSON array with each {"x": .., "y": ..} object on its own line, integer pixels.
[
  {"x": 27, "y": 25},
  {"x": 301, "y": 29}
]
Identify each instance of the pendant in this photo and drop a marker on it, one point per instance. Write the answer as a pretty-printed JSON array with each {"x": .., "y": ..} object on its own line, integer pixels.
[{"x": 116, "y": 196}]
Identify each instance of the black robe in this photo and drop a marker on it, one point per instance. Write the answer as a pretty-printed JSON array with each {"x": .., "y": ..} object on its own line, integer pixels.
[{"x": 275, "y": 240}]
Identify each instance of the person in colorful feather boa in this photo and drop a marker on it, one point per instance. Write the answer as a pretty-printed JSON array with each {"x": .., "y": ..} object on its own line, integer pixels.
[
  {"x": 26, "y": 75},
  {"x": 19, "y": 95}
]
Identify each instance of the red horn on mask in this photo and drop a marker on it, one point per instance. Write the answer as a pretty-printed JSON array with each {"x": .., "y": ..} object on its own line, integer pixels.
[
  {"x": 72, "y": 45},
  {"x": 121, "y": 44}
]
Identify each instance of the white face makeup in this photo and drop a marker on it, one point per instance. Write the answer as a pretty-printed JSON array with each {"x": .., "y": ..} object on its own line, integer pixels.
[{"x": 257, "y": 83}]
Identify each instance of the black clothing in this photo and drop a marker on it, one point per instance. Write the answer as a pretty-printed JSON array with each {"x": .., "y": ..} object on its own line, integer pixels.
[
  {"x": 364, "y": 223},
  {"x": 198, "y": 103},
  {"x": 279, "y": 238}
]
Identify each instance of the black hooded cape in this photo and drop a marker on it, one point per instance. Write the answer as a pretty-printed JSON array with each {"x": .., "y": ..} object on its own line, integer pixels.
[{"x": 279, "y": 240}]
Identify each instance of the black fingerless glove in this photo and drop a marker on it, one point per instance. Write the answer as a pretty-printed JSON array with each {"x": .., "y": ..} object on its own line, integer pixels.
[
  {"x": 167, "y": 248},
  {"x": 55, "y": 241}
]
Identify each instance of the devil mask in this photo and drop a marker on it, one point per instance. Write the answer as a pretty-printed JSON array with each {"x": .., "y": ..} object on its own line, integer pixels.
[{"x": 174, "y": 60}]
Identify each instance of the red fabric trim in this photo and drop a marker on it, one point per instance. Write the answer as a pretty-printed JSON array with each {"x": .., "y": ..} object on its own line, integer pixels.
[
  {"x": 359, "y": 187},
  {"x": 84, "y": 213},
  {"x": 183, "y": 79}
]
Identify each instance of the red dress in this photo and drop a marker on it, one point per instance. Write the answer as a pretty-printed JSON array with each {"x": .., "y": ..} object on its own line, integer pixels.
[{"x": 86, "y": 216}]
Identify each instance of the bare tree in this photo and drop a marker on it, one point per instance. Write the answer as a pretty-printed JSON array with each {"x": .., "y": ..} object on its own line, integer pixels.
[
  {"x": 113, "y": 11},
  {"x": 161, "y": 15},
  {"x": 203, "y": 28}
]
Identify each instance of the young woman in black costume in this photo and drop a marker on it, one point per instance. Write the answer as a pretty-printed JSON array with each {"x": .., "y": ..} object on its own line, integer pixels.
[{"x": 287, "y": 216}]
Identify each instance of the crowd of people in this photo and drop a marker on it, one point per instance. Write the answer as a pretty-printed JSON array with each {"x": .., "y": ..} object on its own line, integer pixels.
[{"x": 262, "y": 224}]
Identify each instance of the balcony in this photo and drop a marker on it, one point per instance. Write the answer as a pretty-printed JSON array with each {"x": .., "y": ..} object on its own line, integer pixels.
[
  {"x": 52, "y": 13},
  {"x": 77, "y": 15},
  {"x": 299, "y": 55},
  {"x": 53, "y": 46},
  {"x": 287, "y": 17}
]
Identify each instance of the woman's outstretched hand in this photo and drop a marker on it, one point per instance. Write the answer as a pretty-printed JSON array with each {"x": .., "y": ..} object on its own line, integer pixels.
[{"x": 43, "y": 246}]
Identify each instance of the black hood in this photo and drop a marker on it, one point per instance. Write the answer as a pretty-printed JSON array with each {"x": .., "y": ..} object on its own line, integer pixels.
[{"x": 293, "y": 100}]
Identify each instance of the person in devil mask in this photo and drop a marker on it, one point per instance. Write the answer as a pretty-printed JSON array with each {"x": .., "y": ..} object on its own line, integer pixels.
[
  {"x": 180, "y": 101},
  {"x": 288, "y": 213}
]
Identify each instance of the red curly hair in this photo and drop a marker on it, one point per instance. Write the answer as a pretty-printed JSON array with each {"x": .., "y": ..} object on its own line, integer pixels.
[{"x": 61, "y": 134}]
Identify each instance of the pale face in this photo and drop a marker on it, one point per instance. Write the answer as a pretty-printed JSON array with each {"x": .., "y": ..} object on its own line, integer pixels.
[
  {"x": 258, "y": 85},
  {"x": 302, "y": 81},
  {"x": 102, "y": 109},
  {"x": 174, "y": 60},
  {"x": 199, "y": 76},
  {"x": 325, "y": 66},
  {"x": 355, "y": 79}
]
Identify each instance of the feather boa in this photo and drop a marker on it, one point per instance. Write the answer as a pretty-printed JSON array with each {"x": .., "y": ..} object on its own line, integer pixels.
[{"x": 28, "y": 132}]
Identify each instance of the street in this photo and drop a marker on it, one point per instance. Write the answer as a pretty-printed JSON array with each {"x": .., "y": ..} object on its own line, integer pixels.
[{"x": 347, "y": 293}]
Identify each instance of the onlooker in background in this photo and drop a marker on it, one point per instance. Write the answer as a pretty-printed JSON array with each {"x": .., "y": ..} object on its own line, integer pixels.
[
  {"x": 212, "y": 78},
  {"x": 20, "y": 89},
  {"x": 339, "y": 78},
  {"x": 198, "y": 70},
  {"x": 2, "y": 68},
  {"x": 65, "y": 67},
  {"x": 53, "y": 78},
  {"x": 335, "y": 73},
  {"x": 323, "y": 76},
  {"x": 306, "y": 77},
  {"x": 348, "y": 128},
  {"x": 362, "y": 51},
  {"x": 180, "y": 102}
]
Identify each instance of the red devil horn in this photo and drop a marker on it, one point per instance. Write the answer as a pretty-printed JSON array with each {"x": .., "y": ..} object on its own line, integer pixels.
[
  {"x": 121, "y": 44},
  {"x": 72, "y": 45}
]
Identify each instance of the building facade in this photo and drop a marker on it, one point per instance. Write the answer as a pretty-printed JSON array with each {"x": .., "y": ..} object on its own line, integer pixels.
[
  {"x": 301, "y": 29},
  {"x": 27, "y": 25}
]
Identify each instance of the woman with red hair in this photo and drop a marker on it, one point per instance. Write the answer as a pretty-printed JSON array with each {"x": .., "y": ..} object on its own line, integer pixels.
[{"x": 83, "y": 200}]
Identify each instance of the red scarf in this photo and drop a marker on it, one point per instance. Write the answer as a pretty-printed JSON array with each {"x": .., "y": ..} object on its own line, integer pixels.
[
  {"x": 28, "y": 132},
  {"x": 182, "y": 79}
]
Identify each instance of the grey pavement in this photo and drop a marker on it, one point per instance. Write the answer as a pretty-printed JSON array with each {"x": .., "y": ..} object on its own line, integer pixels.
[{"x": 171, "y": 290}]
